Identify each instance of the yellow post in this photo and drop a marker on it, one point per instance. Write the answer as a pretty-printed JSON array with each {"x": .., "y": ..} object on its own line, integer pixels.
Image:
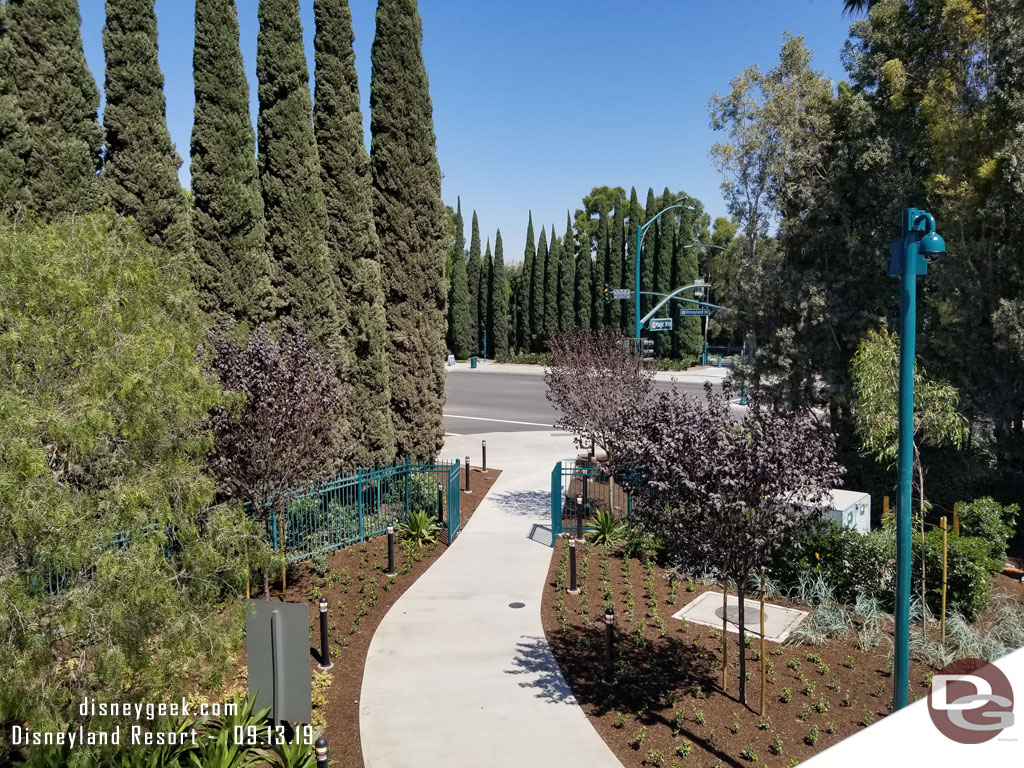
[
  {"x": 885, "y": 510},
  {"x": 725, "y": 632},
  {"x": 942, "y": 623},
  {"x": 763, "y": 674},
  {"x": 956, "y": 518}
]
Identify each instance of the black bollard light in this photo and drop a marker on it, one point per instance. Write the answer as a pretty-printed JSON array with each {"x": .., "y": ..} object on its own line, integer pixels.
[
  {"x": 321, "y": 752},
  {"x": 573, "y": 589},
  {"x": 609, "y": 632},
  {"x": 325, "y": 651},
  {"x": 467, "y": 475},
  {"x": 483, "y": 453},
  {"x": 440, "y": 503},
  {"x": 391, "y": 550}
]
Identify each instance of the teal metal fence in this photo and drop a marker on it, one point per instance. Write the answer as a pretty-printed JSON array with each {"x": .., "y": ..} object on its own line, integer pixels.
[
  {"x": 579, "y": 490},
  {"x": 351, "y": 508}
]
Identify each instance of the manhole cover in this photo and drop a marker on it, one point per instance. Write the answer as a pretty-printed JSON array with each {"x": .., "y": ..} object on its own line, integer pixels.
[
  {"x": 517, "y": 605},
  {"x": 732, "y": 614}
]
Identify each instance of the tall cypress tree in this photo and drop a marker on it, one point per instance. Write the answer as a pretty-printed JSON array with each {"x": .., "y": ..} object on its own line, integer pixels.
[
  {"x": 526, "y": 309},
  {"x": 351, "y": 236},
  {"x": 602, "y": 308},
  {"x": 537, "y": 292},
  {"x": 566, "y": 279},
  {"x": 140, "y": 167},
  {"x": 584, "y": 298},
  {"x": 690, "y": 337},
  {"x": 289, "y": 167},
  {"x": 59, "y": 100},
  {"x": 483, "y": 302},
  {"x": 551, "y": 312},
  {"x": 615, "y": 258},
  {"x": 228, "y": 230},
  {"x": 635, "y": 219},
  {"x": 459, "y": 309},
  {"x": 14, "y": 142},
  {"x": 663, "y": 272},
  {"x": 497, "y": 305},
  {"x": 410, "y": 222},
  {"x": 648, "y": 254},
  {"x": 473, "y": 272},
  {"x": 514, "y": 274}
]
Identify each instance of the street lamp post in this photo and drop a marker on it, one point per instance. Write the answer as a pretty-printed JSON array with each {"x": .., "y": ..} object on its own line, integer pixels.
[
  {"x": 641, "y": 231},
  {"x": 920, "y": 245}
]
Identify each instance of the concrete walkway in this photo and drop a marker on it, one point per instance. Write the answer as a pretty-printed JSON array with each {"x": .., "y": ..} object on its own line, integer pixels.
[{"x": 456, "y": 677}]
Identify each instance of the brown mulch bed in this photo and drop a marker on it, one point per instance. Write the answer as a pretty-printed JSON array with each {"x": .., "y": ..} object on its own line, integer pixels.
[
  {"x": 355, "y": 575},
  {"x": 668, "y": 690}
]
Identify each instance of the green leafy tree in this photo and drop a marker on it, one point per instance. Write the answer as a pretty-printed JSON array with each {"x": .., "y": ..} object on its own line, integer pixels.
[
  {"x": 566, "y": 279},
  {"x": 410, "y": 222},
  {"x": 103, "y": 404},
  {"x": 140, "y": 164},
  {"x": 229, "y": 234},
  {"x": 59, "y": 101},
  {"x": 14, "y": 143},
  {"x": 937, "y": 422},
  {"x": 473, "y": 271},
  {"x": 459, "y": 310},
  {"x": 352, "y": 243},
  {"x": 524, "y": 322},
  {"x": 537, "y": 294},
  {"x": 498, "y": 302},
  {"x": 289, "y": 169}
]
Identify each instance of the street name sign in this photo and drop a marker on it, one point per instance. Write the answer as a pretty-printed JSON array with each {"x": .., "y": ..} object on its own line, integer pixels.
[
  {"x": 621, "y": 293},
  {"x": 694, "y": 312},
  {"x": 661, "y": 324}
]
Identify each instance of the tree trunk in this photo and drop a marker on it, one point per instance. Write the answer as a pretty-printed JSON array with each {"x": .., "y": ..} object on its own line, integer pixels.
[
  {"x": 266, "y": 584},
  {"x": 725, "y": 633},
  {"x": 740, "y": 582}
]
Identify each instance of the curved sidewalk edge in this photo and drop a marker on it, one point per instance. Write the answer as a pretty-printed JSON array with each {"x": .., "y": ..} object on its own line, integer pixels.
[{"x": 454, "y": 676}]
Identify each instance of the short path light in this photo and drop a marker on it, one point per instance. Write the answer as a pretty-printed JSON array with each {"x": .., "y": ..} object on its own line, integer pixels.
[{"x": 609, "y": 639}]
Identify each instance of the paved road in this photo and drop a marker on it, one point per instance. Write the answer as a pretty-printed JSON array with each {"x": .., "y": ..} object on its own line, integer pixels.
[{"x": 504, "y": 402}]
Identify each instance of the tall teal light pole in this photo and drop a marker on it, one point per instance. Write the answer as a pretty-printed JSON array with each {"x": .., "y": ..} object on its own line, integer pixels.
[
  {"x": 920, "y": 245},
  {"x": 641, "y": 231}
]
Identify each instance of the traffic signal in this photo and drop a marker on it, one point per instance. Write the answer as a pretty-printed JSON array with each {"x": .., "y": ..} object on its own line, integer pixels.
[
  {"x": 607, "y": 293},
  {"x": 646, "y": 350}
]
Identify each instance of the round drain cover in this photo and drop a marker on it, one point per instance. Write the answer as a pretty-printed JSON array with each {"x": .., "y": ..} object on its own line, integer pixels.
[
  {"x": 517, "y": 604},
  {"x": 732, "y": 615}
]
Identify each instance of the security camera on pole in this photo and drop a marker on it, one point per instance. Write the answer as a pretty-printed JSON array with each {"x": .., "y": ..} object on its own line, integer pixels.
[{"x": 921, "y": 245}]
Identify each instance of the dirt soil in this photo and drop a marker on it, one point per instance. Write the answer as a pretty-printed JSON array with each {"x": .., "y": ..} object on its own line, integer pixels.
[
  {"x": 355, "y": 584},
  {"x": 668, "y": 699}
]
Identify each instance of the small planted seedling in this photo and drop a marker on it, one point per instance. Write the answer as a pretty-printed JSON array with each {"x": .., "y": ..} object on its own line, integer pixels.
[
  {"x": 830, "y": 726},
  {"x": 776, "y": 746},
  {"x": 846, "y": 700},
  {"x": 712, "y": 739},
  {"x": 748, "y": 754},
  {"x": 765, "y": 724},
  {"x": 822, "y": 706},
  {"x": 769, "y": 670},
  {"x": 787, "y": 695},
  {"x": 823, "y": 668},
  {"x": 699, "y": 717},
  {"x": 683, "y": 750},
  {"x": 805, "y": 713},
  {"x": 776, "y": 651},
  {"x": 655, "y": 757},
  {"x": 808, "y": 688},
  {"x": 849, "y": 663},
  {"x": 678, "y": 720},
  {"x": 621, "y": 719},
  {"x": 867, "y": 717},
  {"x": 814, "y": 658},
  {"x": 794, "y": 663},
  {"x": 639, "y": 737},
  {"x": 812, "y": 737},
  {"x": 735, "y": 727},
  {"x": 834, "y": 684}
]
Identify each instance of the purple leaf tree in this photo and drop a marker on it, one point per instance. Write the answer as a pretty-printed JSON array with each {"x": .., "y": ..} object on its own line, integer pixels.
[{"x": 729, "y": 492}]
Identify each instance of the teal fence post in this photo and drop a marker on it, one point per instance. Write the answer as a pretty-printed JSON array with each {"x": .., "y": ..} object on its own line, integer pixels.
[
  {"x": 273, "y": 527},
  {"x": 406, "y": 487},
  {"x": 556, "y": 502},
  {"x": 359, "y": 491}
]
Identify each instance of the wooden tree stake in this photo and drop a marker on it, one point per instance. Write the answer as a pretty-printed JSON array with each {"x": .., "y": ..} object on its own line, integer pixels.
[
  {"x": 942, "y": 622},
  {"x": 763, "y": 670}
]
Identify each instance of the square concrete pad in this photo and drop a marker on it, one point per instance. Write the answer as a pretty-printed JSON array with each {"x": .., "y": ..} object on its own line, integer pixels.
[{"x": 778, "y": 621}]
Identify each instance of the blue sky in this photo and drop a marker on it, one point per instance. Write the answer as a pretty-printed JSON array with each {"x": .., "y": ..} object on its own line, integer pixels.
[{"x": 538, "y": 101}]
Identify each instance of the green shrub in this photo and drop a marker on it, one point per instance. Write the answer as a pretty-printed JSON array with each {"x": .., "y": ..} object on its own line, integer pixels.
[
  {"x": 968, "y": 578},
  {"x": 987, "y": 519},
  {"x": 419, "y": 529},
  {"x": 606, "y": 529},
  {"x": 102, "y": 408},
  {"x": 638, "y": 543}
]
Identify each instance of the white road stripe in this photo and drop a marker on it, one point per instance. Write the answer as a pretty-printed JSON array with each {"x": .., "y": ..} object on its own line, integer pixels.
[{"x": 500, "y": 421}]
